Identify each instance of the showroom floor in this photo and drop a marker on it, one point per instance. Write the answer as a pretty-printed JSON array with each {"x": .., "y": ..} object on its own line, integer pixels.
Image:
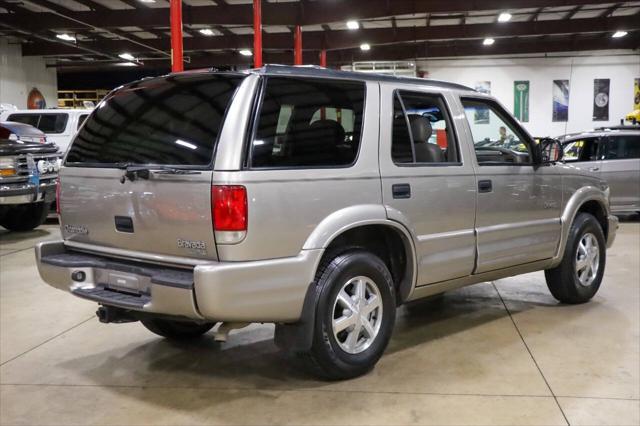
[{"x": 495, "y": 353}]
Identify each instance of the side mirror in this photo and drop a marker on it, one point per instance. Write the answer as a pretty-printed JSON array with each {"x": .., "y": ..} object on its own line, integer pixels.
[{"x": 551, "y": 151}]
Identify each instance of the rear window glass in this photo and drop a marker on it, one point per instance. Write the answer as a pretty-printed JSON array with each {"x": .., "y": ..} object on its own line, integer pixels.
[
  {"x": 48, "y": 123},
  {"x": 306, "y": 122},
  {"x": 623, "y": 147},
  {"x": 170, "y": 121}
]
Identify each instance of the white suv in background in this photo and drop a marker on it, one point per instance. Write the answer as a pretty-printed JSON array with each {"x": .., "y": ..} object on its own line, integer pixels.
[{"x": 60, "y": 125}]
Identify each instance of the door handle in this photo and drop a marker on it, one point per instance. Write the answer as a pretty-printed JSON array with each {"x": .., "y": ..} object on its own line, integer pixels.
[
  {"x": 401, "y": 190},
  {"x": 485, "y": 186},
  {"x": 594, "y": 169},
  {"x": 124, "y": 224}
]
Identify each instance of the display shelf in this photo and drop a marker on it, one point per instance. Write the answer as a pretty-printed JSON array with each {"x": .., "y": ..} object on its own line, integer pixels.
[{"x": 76, "y": 98}]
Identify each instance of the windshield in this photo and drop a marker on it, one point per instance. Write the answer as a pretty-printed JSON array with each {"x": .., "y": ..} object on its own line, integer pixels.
[{"x": 173, "y": 120}]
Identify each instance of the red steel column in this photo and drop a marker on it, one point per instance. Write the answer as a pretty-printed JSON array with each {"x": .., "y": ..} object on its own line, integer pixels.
[
  {"x": 323, "y": 58},
  {"x": 177, "y": 64},
  {"x": 257, "y": 33},
  {"x": 297, "y": 46}
]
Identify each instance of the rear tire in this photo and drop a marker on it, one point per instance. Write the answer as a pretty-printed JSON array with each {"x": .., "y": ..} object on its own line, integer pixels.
[
  {"x": 578, "y": 277},
  {"x": 176, "y": 330},
  {"x": 25, "y": 217},
  {"x": 354, "y": 317}
]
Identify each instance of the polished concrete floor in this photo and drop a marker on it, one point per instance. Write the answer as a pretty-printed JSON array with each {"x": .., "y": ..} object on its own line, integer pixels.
[{"x": 496, "y": 353}]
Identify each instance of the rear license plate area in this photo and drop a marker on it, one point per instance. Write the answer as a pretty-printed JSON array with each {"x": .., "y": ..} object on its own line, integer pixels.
[{"x": 124, "y": 283}]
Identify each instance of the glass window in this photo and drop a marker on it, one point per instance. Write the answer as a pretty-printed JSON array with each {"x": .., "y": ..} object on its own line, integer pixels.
[
  {"x": 584, "y": 149},
  {"x": 30, "y": 119},
  {"x": 623, "y": 147},
  {"x": 497, "y": 139},
  {"x": 307, "y": 122},
  {"x": 81, "y": 120},
  {"x": 53, "y": 123},
  {"x": 48, "y": 123},
  {"x": 166, "y": 121},
  {"x": 422, "y": 130}
]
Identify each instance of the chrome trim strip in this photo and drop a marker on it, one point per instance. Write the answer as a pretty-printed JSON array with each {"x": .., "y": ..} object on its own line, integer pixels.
[
  {"x": 136, "y": 255},
  {"x": 525, "y": 224},
  {"x": 443, "y": 235}
]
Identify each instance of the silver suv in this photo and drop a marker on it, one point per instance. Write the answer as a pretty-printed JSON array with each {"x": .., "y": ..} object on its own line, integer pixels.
[
  {"x": 612, "y": 153},
  {"x": 314, "y": 199}
]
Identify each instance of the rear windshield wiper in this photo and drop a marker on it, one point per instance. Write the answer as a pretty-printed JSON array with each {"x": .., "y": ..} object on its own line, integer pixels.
[{"x": 133, "y": 172}]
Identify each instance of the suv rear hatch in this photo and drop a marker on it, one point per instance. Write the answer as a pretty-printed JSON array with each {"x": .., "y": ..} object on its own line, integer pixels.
[{"x": 138, "y": 175}]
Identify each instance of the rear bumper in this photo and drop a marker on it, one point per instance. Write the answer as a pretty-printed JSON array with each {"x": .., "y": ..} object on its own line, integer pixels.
[
  {"x": 25, "y": 193},
  {"x": 257, "y": 291},
  {"x": 613, "y": 230}
]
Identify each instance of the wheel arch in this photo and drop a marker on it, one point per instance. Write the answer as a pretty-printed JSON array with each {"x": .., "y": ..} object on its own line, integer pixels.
[
  {"x": 590, "y": 200},
  {"x": 365, "y": 227}
]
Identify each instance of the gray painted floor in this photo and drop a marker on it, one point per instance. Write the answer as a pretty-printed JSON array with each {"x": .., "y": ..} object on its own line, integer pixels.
[{"x": 496, "y": 353}]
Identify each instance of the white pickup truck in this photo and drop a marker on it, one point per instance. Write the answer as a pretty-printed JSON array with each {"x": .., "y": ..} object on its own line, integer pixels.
[{"x": 60, "y": 125}]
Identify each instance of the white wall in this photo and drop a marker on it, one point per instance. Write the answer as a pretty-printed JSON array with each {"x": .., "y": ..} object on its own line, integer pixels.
[
  {"x": 18, "y": 75},
  {"x": 620, "y": 67}
]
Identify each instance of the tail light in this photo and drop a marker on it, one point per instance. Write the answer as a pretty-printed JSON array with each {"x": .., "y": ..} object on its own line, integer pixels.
[
  {"x": 58, "y": 196},
  {"x": 229, "y": 212}
]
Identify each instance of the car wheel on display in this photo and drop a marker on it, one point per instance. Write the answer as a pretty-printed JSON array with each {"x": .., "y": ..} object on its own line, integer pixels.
[
  {"x": 355, "y": 314},
  {"x": 177, "y": 330},
  {"x": 577, "y": 278},
  {"x": 25, "y": 217}
]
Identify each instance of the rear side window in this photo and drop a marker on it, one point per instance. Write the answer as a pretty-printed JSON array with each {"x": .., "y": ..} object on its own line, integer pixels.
[
  {"x": 585, "y": 149},
  {"x": 307, "y": 122},
  {"x": 623, "y": 147},
  {"x": 49, "y": 123},
  {"x": 422, "y": 131},
  {"x": 173, "y": 120}
]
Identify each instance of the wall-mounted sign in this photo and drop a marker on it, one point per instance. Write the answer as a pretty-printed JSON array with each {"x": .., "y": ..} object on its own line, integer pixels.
[
  {"x": 601, "y": 99},
  {"x": 35, "y": 100},
  {"x": 521, "y": 100},
  {"x": 560, "y": 91}
]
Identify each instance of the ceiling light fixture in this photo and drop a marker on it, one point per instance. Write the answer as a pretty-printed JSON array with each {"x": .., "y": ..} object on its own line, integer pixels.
[
  {"x": 619, "y": 34},
  {"x": 147, "y": 1},
  {"x": 126, "y": 64},
  {"x": 245, "y": 52},
  {"x": 353, "y": 25},
  {"x": 488, "y": 41},
  {"x": 66, "y": 37},
  {"x": 207, "y": 32},
  {"x": 365, "y": 47},
  {"x": 127, "y": 56},
  {"x": 504, "y": 17}
]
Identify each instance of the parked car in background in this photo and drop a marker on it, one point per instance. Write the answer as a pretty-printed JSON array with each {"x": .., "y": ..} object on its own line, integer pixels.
[
  {"x": 21, "y": 132},
  {"x": 613, "y": 154},
  {"x": 28, "y": 170},
  {"x": 314, "y": 199},
  {"x": 60, "y": 125}
]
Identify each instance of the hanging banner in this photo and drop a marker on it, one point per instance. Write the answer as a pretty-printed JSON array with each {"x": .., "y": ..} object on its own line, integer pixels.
[
  {"x": 481, "y": 115},
  {"x": 560, "y": 91},
  {"x": 636, "y": 94},
  {"x": 601, "y": 99},
  {"x": 521, "y": 100}
]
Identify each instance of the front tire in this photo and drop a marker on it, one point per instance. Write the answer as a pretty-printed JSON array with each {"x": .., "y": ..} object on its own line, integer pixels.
[
  {"x": 578, "y": 277},
  {"x": 176, "y": 330},
  {"x": 25, "y": 217},
  {"x": 355, "y": 315}
]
